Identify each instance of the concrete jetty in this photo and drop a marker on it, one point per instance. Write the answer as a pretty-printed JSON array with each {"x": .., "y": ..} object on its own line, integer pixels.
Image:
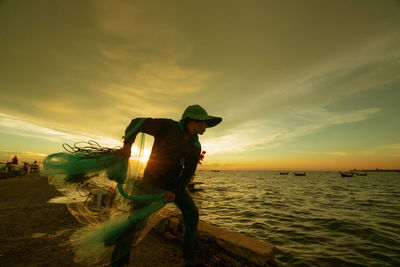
[{"x": 35, "y": 232}]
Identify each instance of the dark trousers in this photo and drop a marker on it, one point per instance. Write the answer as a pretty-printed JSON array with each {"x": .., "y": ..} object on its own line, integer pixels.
[
  {"x": 122, "y": 250},
  {"x": 184, "y": 201}
]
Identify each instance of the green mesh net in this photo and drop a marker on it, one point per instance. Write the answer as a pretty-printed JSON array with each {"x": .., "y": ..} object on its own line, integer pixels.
[{"x": 106, "y": 193}]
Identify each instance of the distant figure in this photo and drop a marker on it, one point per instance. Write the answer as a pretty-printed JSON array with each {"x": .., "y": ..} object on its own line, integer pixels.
[
  {"x": 34, "y": 167},
  {"x": 10, "y": 169},
  {"x": 171, "y": 166},
  {"x": 26, "y": 168},
  {"x": 15, "y": 160}
]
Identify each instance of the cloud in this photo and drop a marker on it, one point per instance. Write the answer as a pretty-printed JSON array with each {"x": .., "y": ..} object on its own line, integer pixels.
[
  {"x": 340, "y": 154},
  {"x": 112, "y": 63},
  {"x": 331, "y": 153},
  {"x": 387, "y": 150},
  {"x": 302, "y": 106},
  {"x": 258, "y": 134},
  {"x": 151, "y": 90},
  {"x": 371, "y": 66},
  {"x": 16, "y": 126}
]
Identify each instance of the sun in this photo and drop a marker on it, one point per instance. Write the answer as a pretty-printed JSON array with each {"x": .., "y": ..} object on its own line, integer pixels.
[
  {"x": 145, "y": 155},
  {"x": 142, "y": 157}
]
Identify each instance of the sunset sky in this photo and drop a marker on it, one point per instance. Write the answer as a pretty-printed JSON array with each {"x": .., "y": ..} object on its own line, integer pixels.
[{"x": 300, "y": 85}]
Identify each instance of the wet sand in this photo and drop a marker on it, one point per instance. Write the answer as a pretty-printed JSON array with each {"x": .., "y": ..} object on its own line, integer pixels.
[{"x": 36, "y": 233}]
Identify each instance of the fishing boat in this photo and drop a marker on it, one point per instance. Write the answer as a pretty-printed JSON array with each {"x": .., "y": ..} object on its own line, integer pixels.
[
  {"x": 284, "y": 173},
  {"x": 299, "y": 174},
  {"x": 346, "y": 174}
]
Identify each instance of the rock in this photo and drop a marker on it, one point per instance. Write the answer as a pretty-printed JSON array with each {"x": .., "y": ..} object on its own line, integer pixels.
[{"x": 221, "y": 246}]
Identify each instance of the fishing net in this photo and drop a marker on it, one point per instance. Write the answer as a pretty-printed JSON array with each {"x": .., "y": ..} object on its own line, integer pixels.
[{"x": 104, "y": 191}]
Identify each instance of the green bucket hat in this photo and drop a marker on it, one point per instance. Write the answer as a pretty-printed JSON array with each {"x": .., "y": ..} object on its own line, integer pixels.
[{"x": 196, "y": 112}]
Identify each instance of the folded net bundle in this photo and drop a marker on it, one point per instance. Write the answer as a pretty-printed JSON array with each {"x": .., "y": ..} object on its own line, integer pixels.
[{"x": 88, "y": 174}]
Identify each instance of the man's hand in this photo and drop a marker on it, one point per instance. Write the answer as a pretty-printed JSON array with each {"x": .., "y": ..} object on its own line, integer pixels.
[{"x": 170, "y": 197}]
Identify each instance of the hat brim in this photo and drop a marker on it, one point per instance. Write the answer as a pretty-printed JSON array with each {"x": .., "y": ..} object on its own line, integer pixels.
[{"x": 212, "y": 121}]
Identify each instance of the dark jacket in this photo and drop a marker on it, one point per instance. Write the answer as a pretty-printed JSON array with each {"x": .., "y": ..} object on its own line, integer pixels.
[{"x": 175, "y": 153}]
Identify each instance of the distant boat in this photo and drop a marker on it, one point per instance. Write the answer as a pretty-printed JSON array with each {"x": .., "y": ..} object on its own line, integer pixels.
[
  {"x": 284, "y": 173},
  {"x": 299, "y": 174},
  {"x": 346, "y": 174},
  {"x": 215, "y": 170}
]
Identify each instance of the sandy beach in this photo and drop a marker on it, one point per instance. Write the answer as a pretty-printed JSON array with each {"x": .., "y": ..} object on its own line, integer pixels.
[{"x": 36, "y": 233}]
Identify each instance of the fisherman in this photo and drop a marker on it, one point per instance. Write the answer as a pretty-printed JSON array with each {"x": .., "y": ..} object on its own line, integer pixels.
[{"x": 172, "y": 163}]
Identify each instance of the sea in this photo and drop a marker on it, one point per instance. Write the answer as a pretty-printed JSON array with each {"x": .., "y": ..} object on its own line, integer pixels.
[{"x": 321, "y": 219}]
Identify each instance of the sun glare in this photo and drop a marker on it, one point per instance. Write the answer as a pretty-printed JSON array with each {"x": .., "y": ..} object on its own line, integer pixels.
[{"x": 143, "y": 157}]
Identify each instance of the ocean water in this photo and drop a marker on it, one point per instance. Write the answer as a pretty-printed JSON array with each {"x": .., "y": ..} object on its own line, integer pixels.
[{"x": 320, "y": 219}]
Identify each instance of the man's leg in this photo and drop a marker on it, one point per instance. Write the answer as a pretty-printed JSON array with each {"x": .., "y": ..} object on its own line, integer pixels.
[
  {"x": 122, "y": 251},
  {"x": 184, "y": 201},
  {"x": 123, "y": 245}
]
